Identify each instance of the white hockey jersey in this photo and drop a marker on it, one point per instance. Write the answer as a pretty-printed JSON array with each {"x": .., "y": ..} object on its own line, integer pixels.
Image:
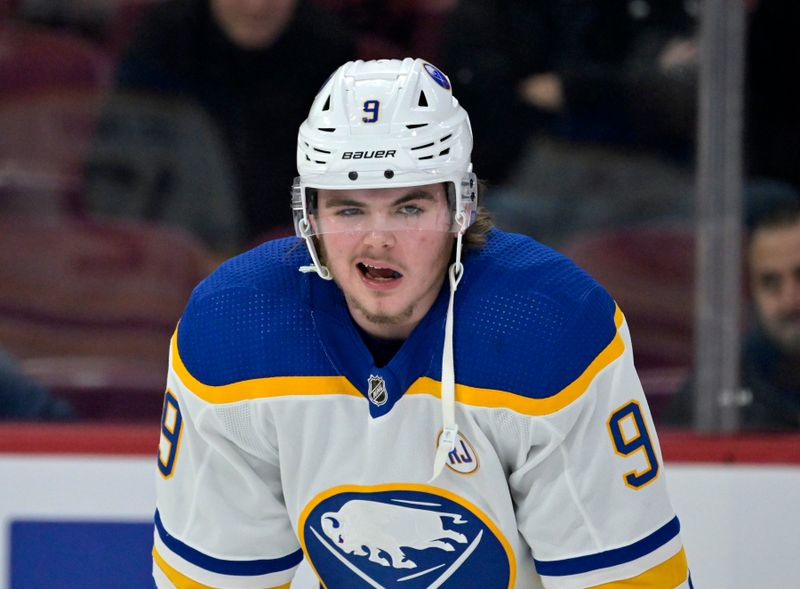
[{"x": 281, "y": 439}]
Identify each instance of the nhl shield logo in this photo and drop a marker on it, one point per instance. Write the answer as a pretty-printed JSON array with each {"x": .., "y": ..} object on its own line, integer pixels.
[{"x": 377, "y": 390}]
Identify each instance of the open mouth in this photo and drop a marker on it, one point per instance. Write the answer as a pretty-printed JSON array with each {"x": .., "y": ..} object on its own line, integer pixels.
[{"x": 377, "y": 273}]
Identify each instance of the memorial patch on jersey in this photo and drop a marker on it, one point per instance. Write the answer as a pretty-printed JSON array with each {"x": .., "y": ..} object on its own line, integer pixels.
[
  {"x": 462, "y": 459},
  {"x": 411, "y": 536}
]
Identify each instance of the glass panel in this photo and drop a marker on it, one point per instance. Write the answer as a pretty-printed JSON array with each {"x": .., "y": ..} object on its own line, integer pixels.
[
  {"x": 770, "y": 362},
  {"x": 585, "y": 122},
  {"x": 584, "y": 117}
]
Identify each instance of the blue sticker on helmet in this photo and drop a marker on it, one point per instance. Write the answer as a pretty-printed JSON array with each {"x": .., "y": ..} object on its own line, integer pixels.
[{"x": 438, "y": 76}]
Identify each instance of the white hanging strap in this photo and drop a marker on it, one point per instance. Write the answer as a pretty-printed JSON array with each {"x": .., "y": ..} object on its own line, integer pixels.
[{"x": 447, "y": 439}]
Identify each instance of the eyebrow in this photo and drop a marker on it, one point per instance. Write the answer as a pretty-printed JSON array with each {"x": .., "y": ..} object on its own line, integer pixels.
[{"x": 410, "y": 196}]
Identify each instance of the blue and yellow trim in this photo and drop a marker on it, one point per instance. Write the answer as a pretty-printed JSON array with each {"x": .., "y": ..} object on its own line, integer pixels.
[
  {"x": 609, "y": 558},
  {"x": 225, "y": 567},
  {"x": 181, "y": 581},
  {"x": 260, "y": 388},
  {"x": 282, "y": 386},
  {"x": 670, "y": 573},
  {"x": 480, "y": 397}
]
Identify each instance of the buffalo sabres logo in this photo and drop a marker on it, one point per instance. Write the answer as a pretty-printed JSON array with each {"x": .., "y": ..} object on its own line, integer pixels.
[
  {"x": 377, "y": 390},
  {"x": 360, "y": 521},
  {"x": 373, "y": 537},
  {"x": 438, "y": 76}
]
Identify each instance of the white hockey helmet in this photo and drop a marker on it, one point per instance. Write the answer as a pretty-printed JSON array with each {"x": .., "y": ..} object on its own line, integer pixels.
[{"x": 383, "y": 124}]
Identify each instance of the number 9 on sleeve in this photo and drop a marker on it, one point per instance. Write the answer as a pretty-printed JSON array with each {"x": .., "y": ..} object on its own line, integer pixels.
[
  {"x": 171, "y": 426},
  {"x": 630, "y": 435}
]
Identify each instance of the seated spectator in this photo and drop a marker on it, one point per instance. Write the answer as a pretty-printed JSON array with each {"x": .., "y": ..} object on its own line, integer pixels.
[
  {"x": 23, "y": 399},
  {"x": 588, "y": 109},
  {"x": 770, "y": 356},
  {"x": 221, "y": 85}
]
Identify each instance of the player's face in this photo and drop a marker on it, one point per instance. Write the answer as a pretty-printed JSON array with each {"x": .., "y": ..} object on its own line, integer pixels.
[
  {"x": 775, "y": 279},
  {"x": 388, "y": 250},
  {"x": 253, "y": 24}
]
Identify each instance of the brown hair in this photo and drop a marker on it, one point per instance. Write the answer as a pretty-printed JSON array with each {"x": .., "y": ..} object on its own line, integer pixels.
[{"x": 475, "y": 235}]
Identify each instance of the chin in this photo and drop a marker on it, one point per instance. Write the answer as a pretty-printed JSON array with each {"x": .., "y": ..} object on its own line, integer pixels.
[
  {"x": 383, "y": 314},
  {"x": 253, "y": 39}
]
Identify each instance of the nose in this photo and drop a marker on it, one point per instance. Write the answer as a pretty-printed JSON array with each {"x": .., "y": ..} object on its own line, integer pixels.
[
  {"x": 258, "y": 5},
  {"x": 380, "y": 239},
  {"x": 791, "y": 293}
]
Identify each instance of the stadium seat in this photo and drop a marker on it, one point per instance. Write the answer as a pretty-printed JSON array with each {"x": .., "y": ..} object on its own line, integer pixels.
[
  {"x": 52, "y": 85},
  {"x": 161, "y": 158},
  {"x": 88, "y": 307},
  {"x": 37, "y": 58},
  {"x": 44, "y": 140}
]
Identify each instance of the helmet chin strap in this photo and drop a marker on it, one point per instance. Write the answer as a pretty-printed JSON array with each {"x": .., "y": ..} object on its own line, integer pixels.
[
  {"x": 315, "y": 266},
  {"x": 447, "y": 439}
]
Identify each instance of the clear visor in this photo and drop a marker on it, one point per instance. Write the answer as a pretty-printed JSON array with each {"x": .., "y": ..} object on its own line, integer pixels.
[{"x": 340, "y": 212}]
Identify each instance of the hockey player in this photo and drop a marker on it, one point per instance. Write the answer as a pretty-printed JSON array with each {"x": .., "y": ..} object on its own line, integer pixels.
[{"x": 415, "y": 399}]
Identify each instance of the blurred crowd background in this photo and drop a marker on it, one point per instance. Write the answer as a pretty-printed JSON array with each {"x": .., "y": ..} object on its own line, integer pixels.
[{"x": 144, "y": 141}]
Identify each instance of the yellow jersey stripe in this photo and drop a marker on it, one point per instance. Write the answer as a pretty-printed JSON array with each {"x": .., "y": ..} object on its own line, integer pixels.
[
  {"x": 669, "y": 574},
  {"x": 494, "y": 398},
  {"x": 282, "y": 386},
  {"x": 181, "y": 581},
  {"x": 260, "y": 388}
]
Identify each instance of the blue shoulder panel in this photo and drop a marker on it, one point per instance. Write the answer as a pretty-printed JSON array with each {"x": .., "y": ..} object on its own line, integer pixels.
[
  {"x": 528, "y": 320},
  {"x": 250, "y": 319}
]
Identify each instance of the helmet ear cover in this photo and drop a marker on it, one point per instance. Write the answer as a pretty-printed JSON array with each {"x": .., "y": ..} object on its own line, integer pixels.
[{"x": 311, "y": 199}]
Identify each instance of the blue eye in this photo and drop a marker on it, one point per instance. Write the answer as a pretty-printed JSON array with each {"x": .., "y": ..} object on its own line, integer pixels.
[
  {"x": 350, "y": 212},
  {"x": 410, "y": 210}
]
